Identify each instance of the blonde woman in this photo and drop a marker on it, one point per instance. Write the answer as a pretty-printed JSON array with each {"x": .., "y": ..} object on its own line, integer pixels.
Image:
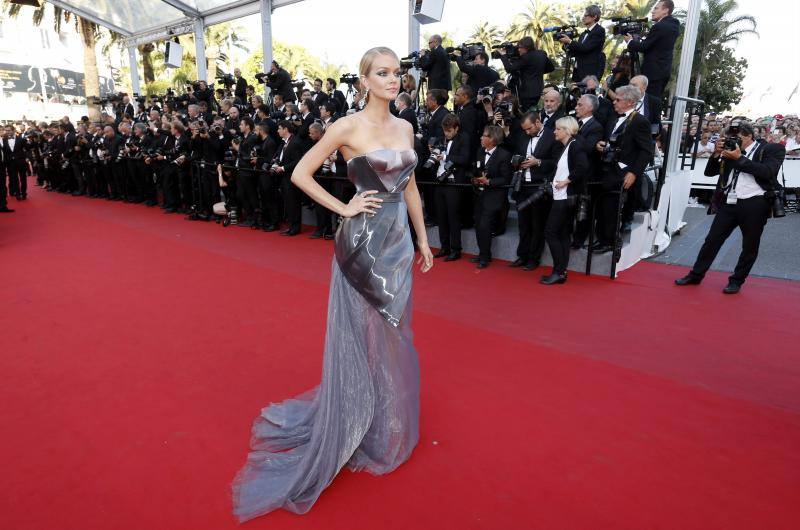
[{"x": 365, "y": 413}]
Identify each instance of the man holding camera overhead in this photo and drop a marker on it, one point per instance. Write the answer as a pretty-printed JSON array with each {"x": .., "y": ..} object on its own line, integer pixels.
[
  {"x": 657, "y": 47},
  {"x": 479, "y": 73},
  {"x": 528, "y": 71},
  {"x": 588, "y": 47},
  {"x": 744, "y": 197},
  {"x": 436, "y": 63}
]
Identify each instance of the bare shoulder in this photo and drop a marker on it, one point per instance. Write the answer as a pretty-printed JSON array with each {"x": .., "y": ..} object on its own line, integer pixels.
[{"x": 403, "y": 127}]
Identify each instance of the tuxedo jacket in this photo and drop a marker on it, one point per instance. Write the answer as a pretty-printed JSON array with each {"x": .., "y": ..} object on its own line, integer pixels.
[
  {"x": 588, "y": 52},
  {"x": 292, "y": 153},
  {"x": 460, "y": 155},
  {"x": 529, "y": 70},
  {"x": 437, "y": 64},
  {"x": 434, "y": 129},
  {"x": 411, "y": 117},
  {"x": 589, "y": 134},
  {"x": 543, "y": 151},
  {"x": 479, "y": 75},
  {"x": 657, "y": 48},
  {"x": 498, "y": 171},
  {"x": 18, "y": 153},
  {"x": 635, "y": 143},
  {"x": 551, "y": 122},
  {"x": 605, "y": 111},
  {"x": 319, "y": 99},
  {"x": 577, "y": 163},
  {"x": 764, "y": 165}
]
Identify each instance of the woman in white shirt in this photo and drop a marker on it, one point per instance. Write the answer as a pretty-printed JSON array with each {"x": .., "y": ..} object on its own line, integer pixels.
[{"x": 571, "y": 170}]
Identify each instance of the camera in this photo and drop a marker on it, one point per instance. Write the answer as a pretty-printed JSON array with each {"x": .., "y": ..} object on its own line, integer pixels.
[
  {"x": 732, "y": 140},
  {"x": 449, "y": 168},
  {"x": 517, "y": 177},
  {"x": 436, "y": 150},
  {"x": 542, "y": 191},
  {"x": 348, "y": 79},
  {"x": 611, "y": 151},
  {"x": 776, "y": 201},
  {"x": 485, "y": 93},
  {"x": 505, "y": 108},
  {"x": 511, "y": 49},
  {"x": 562, "y": 31},
  {"x": 226, "y": 79},
  {"x": 260, "y": 77},
  {"x": 469, "y": 50},
  {"x": 629, "y": 26},
  {"x": 412, "y": 61}
]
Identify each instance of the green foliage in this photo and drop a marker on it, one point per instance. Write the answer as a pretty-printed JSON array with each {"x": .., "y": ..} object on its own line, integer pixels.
[
  {"x": 296, "y": 60},
  {"x": 722, "y": 87}
]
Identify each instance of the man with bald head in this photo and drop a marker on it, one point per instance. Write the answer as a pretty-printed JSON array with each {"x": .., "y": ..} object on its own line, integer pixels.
[{"x": 551, "y": 109}]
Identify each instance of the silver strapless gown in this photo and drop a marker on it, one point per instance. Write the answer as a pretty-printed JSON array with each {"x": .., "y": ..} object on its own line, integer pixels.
[{"x": 365, "y": 412}]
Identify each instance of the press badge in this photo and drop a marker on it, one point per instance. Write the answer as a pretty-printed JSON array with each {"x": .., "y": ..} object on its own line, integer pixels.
[{"x": 731, "y": 197}]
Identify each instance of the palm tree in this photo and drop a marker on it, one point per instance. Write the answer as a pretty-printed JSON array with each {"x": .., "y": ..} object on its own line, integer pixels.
[
  {"x": 532, "y": 22},
  {"x": 487, "y": 34},
  {"x": 87, "y": 31},
  {"x": 718, "y": 26}
]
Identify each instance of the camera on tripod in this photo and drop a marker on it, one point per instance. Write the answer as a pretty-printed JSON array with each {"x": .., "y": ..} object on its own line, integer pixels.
[
  {"x": 469, "y": 50},
  {"x": 629, "y": 26},
  {"x": 348, "y": 79},
  {"x": 511, "y": 48},
  {"x": 226, "y": 79},
  {"x": 412, "y": 61}
]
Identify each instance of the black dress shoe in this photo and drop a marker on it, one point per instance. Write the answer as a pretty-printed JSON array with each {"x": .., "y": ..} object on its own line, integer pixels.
[
  {"x": 576, "y": 245},
  {"x": 519, "y": 262},
  {"x": 317, "y": 234},
  {"x": 329, "y": 237},
  {"x": 270, "y": 227},
  {"x": 688, "y": 280},
  {"x": 6, "y": 209},
  {"x": 169, "y": 210},
  {"x": 453, "y": 256},
  {"x": 483, "y": 264},
  {"x": 602, "y": 249},
  {"x": 476, "y": 259},
  {"x": 732, "y": 288},
  {"x": 291, "y": 232},
  {"x": 443, "y": 253},
  {"x": 553, "y": 279},
  {"x": 531, "y": 265}
]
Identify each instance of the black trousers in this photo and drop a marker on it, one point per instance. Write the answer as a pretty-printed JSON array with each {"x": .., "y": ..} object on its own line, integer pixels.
[
  {"x": 269, "y": 189},
  {"x": 323, "y": 215},
  {"x": 656, "y": 87},
  {"x": 750, "y": 215},
  {"x": 448, "y": 202},
  {"x": 486, "y": 209},
  {"x": 248, "y": 194},
  {"x": 557, "y": 231},
  {"x": 209, "y": 187},
  {"x": 291, "y": 201},
  {"x": 185, "y": 184},
  {"x": 171, "y": 182},
  {"x": 17, "y": 179},
  {"x": 531, "y": 222},
  {"x": 609, "y": 206},
  {"x": 3, "y": 190}
]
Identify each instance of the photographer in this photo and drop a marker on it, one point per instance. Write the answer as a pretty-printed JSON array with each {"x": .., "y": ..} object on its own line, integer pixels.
[
  {"x": 336, "y": 95},
  {"x": 16, "y": 163},
  {"x": 452, "y": 159},
  {"x": 493, "y": 174},
  {"x": 627, "y": 150},
  {"x": 537, "y": 166},
  {"x": 471, "y": 118},
  {"x": 277, "y": 108},
  {"x": 324, "y": 217},
  {"x": 247, "y": 180},
  {"x": 268, "y": 183},
  {"x": 479, "y": 73},
  {"x": 201, "y": 92},
  {"x": 240, "y": 92},
  {"x": 405, "y": 112},
  {"x": 138, "y": 173},
  {"x": 588, "y": 48},
  {"x": 433, "y": 134},
  {"x": 590, "y": 131},
  {"x": 551, "y": 110},
  {"x": 570, "y": 173},
  {"x": 649, "y": 106},
  {"x": 306, "y": 109},
  {"x": 280, "y": 82},
  {"x": 436, "y": 63},
  {"x": 657, "y": 47},
  {"x": 745, "y": 198},
  {"x": 174, "y": 173},
  {"x": 291, "y": 151},
  {"x": 319, "y": 97},
  {"x": 528, "y": 71}
]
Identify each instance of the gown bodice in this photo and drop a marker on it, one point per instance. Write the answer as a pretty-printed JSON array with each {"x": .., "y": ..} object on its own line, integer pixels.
[{"x": 375, "y": 253}]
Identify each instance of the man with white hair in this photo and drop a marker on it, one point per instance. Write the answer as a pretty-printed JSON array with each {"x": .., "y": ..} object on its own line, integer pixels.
[
  {"x": 626, "y": 152},
  {"x": 648, "y": 106},
  {"x": 551, "y": 110}
]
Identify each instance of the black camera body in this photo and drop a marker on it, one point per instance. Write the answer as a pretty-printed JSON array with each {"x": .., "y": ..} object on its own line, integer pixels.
[
  {"x": 630, "y": 26},
  {"x": 511, "y": 49},
  {"x": 449, "y": 169},
  {"x": 226, "y": 79},
  {"x": 436, "y": 150},
  {"x": 348, "y": 79},
  {"x": 412, "y": 61},
  {"x": 506, "y": 109},
  {"x": 611, "y": 151},
  {"x": 469, "y": 50},
  {"x": 485, "y": 93}
]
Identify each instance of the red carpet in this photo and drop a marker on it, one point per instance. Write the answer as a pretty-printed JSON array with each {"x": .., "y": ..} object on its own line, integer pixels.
[{"x": 138, "y": 347}]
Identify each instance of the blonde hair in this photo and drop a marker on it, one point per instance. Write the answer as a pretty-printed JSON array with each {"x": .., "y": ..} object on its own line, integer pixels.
[
  {"x": 369, "y": 57},
  {"x": 569, "y": 124}
]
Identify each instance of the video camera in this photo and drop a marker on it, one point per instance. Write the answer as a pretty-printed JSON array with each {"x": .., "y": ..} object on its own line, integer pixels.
[
  {"x": 630, "y": 26},
  {"x": 511, "y": 48},
  {"x": 469, "y": 50},
  {"x": 227, "y": 80},
  {"x": 412, "y": 61},
  {"x": 562, "y": 31},
  {"x": 348, "y": 79}
]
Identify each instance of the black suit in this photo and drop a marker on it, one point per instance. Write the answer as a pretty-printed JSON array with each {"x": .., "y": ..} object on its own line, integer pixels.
[
  {"x": 3, "y": 190},
  {"x": 241, "y": 90},
  {"x": 292, "y": 152},
  {"x": 437, "y": 64},
  {"x": 750, "y": 214},
  {"x": 657, "y": 47},
  {"x": 434, "y": 133},
  {"x": 281, "y": 83},
  {"x": 491, "y": 197},
  {"x": 16, "y": 166},
  {"x": 532, "y": 219},
  {"x": 448, "y": 198},
  {"x": 319, "y": 99},
  {"x": 528, "y": 71},
  {"x": 588, "y": 52},
  {"x": 559, "y": 221},
  {"x": 411, "y": 117},
  {"x": 605, "y": 111},
  {"x": 550, "y": 122},
  {"x": 650, "y": 108},
  {"x": 589, "y": 134},
  {"x": 472, "y": 123},
  {"x": 341, "y": 101},
  {"x": 479, "y": 75},
  {"x": 635, "y": 153}
]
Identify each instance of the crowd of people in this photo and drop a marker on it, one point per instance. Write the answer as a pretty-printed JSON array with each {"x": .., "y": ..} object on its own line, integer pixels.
[
  {"x": 555, "y": 154},
  {"x": 777, "y": 129}
]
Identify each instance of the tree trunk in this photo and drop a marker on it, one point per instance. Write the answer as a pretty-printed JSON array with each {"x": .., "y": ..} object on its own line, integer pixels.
[
  {"x": 145, "y": 50},
  {"x": 697, "y": 84},
  {"x": 91, "y": 78}
]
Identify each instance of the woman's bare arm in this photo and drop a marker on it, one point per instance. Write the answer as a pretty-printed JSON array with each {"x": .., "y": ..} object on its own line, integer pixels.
[{"x": 415, "y": 212}]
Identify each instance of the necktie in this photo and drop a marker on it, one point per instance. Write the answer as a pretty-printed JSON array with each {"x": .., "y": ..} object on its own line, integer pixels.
[{"x": 580, "y": 124}]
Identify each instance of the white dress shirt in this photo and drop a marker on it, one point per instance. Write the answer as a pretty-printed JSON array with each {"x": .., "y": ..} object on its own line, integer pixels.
[
  {"x": 529, "y": 154},
  {"x": 746, "y": 185},
  {"x": 562, "y": 173},
  {"x": 440, "y": 170}
]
